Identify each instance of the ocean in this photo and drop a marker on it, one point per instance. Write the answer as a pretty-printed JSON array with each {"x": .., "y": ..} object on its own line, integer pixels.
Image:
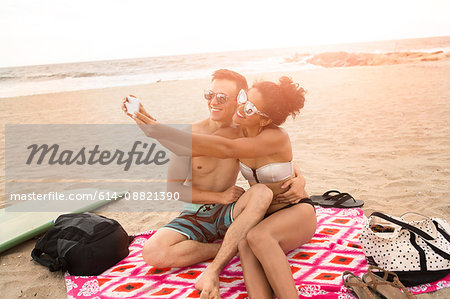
[{"x": 41, "y": 79}]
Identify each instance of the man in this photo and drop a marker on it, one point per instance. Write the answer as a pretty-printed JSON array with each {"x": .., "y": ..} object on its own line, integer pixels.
[{"x": 218, "y": 206}]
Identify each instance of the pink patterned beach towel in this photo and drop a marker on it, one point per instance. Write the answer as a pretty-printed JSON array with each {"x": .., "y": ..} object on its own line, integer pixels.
[{"x": 316, "y": 266}]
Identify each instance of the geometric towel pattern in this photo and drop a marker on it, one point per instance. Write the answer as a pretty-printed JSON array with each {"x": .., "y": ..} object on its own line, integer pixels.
[{"x": 316, "y": 267}]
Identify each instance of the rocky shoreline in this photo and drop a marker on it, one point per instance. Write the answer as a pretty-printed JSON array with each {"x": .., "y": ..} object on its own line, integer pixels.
[{"x": 346, "y": 59}]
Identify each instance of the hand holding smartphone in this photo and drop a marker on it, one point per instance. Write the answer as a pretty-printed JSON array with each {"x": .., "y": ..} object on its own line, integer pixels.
[{"x": 132, "y": 104}]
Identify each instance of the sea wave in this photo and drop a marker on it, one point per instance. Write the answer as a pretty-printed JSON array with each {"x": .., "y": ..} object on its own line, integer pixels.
[{"x": 27, "y": 80}]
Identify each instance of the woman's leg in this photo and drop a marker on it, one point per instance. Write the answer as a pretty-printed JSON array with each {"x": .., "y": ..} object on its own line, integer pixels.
[
  {"x": 248, "y": 211},
  {"x": 255, "y": 279},
  {"x": 276, "y": 235}
]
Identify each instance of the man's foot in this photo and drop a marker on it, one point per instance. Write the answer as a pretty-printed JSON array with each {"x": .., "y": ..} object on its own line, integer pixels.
[{"x": 209, "y": 285}]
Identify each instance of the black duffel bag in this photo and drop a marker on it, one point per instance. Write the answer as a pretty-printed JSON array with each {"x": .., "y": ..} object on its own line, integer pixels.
[{"x": 83, "y": 244}]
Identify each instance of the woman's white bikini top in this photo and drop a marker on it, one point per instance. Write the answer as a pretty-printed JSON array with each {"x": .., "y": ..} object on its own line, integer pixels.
[{"x": 269, "y": 173}]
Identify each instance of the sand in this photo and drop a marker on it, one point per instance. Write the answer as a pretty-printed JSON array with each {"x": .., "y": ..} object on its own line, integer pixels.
[{"x": 380, "y": 133}]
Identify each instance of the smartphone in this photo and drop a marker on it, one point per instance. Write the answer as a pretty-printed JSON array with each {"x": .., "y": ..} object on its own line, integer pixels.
[{"x": 132, "y": 104}]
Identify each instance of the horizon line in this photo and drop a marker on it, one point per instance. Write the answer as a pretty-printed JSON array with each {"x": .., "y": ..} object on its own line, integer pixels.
[{"x": 227, "y": 51}]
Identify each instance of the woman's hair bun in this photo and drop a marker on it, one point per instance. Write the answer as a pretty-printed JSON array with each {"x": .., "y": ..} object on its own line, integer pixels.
[
  {"x": 293, "y": 95},
  {"x": 284, "y": 81},
  {"x": 282, "y": 99}
]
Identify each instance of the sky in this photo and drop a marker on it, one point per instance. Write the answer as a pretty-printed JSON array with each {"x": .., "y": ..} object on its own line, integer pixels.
[{"x": 55, "y": 31}]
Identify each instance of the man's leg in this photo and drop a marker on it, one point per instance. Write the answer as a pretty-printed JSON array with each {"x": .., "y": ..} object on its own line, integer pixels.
[
  {"x": 248, "y": 211},
  {"x": 168, "y": 249}
]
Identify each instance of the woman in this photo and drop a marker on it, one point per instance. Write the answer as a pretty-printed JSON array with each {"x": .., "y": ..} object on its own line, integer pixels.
[{"x": 265, "y": 154}]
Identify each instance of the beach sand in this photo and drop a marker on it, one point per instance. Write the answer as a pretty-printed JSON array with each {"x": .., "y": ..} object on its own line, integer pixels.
[{"x": 380, "y": 133}]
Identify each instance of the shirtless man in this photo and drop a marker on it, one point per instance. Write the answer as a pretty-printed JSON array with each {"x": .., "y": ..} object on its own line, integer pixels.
[
  {"x": 187, "y": 239},
  {"x": 181, "y": 242}
]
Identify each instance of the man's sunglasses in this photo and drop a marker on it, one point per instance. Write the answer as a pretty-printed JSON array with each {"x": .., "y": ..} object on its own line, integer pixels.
[
  {"x": 221, "y": 97},
  {"x": 249, "y": 107}
]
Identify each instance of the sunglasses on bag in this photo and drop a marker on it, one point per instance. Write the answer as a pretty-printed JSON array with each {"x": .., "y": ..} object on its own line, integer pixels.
[
  {"x": 249, "y": 107},
  {"x": 221, "y": 97}
]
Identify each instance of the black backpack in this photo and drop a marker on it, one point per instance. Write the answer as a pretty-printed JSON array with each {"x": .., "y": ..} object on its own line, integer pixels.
[{"x": 83, "y": 244}]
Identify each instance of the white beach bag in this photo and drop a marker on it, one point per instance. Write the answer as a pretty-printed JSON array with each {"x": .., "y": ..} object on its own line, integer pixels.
[{"x": 417, "y": 251}]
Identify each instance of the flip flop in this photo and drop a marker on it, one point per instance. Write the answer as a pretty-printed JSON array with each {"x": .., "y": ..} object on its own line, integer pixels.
[
  {"x": 354, "y": 283},
  {"x": 388, "y": 289},
  {"x": 338, "y": 200}
]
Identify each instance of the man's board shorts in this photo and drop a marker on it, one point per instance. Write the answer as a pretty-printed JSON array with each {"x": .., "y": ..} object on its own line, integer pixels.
[{"x": 208, "y": 224}]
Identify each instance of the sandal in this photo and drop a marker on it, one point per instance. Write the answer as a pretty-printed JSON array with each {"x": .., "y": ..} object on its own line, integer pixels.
[
  {"x": 358, "y": 286},
  {"x": 389, "y": 289},
  {"x": 338, "y": 200}
]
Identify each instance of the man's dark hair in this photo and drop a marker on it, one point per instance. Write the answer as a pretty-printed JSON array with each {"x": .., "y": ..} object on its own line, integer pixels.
[{"x": 241, "y": 82}]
